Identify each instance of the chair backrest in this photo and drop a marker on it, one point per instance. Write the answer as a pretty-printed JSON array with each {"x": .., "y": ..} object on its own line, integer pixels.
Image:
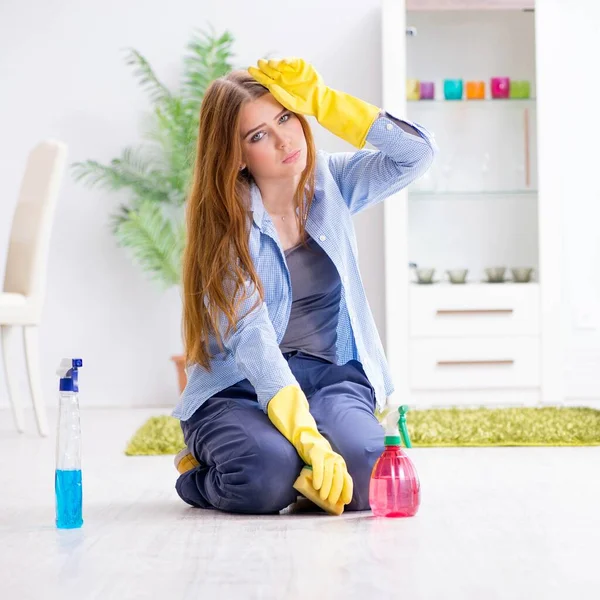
[{"x": 32, "y": 222}]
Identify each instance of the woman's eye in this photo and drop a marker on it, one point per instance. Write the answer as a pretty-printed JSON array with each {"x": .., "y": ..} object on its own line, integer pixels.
[{"x": 259, "y": 135}]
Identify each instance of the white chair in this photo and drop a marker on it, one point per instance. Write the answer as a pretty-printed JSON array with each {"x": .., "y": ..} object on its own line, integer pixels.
[{"x": 22, "y": 300}]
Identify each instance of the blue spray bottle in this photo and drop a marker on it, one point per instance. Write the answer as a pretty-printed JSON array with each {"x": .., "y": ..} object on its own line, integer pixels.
[{"x": 67, "y": 480}]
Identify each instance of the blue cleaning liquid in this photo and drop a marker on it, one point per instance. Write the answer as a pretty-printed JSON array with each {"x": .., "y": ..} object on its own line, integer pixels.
[{"x": 67, "y": 485}]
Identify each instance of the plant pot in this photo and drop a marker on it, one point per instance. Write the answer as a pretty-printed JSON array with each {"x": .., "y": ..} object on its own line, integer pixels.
[{"x": 179, "y": 361}]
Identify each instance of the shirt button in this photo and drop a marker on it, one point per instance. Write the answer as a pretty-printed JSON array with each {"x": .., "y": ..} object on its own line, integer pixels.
[
  {"x": 389, "y": 127},
  {"x": 345, "y": 279},
  {"x": 322, "y": 237}
]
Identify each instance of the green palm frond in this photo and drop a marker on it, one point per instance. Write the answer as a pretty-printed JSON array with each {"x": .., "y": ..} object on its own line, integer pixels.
[
  {"x": 155, "y": 242},
  {"x": 176, "y": 133},
  {"x": 208, "y": 58},
  {"x": 132, "y": 170},
  {"x": 157, "y": 91},
  {"x": 158, "y": 173}
]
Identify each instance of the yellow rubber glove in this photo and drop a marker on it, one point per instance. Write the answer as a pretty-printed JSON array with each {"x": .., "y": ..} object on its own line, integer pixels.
[
  {"x": 288, "y": 411},
  {"x": 297, "y": 86}
]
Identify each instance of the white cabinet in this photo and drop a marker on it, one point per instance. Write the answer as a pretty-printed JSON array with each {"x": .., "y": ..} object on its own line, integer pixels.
[
  {"x": 475, "y": 363},
  {"x": 473, "y": 338},
  {"x": 478, "y": 207},
  {"x": 473, "y": 310}
]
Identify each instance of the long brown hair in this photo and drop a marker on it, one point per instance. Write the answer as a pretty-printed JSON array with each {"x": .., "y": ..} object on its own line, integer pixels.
[{"x": 216, "y": 260}]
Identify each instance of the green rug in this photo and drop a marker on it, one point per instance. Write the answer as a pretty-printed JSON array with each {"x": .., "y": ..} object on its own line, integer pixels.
[{"x": 437, "y": 427}]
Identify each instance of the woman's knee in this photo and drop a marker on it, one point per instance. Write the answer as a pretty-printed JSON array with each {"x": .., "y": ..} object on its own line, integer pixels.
[
  {"x": 360, "y": 452},
  {"x": 263, "y": 482}
]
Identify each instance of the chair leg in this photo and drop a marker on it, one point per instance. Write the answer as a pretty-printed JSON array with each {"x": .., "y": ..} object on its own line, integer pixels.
[
  {"x": 8, "y": 355},
  {"x": 30, "y": 338}
]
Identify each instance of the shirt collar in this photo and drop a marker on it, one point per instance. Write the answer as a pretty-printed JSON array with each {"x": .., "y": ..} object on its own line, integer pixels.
[{"x": 256, "y": 205}]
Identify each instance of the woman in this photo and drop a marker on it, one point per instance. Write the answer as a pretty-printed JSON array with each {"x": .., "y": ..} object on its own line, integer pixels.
[{"x": 285, "y": 366}]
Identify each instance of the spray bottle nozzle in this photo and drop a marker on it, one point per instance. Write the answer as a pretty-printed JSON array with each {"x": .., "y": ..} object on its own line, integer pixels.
[
  {"x": 392, "y": 435},
  {"x": 396, "y": 432},
  {"x": 68, "y": 372}
]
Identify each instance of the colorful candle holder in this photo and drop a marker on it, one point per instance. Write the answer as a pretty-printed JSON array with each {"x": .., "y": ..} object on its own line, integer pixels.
[
  {"x": 427, "y": 90},
  {"x": 475, "y": 90},
  {"x": 453, "y": 89},
  {"x": 520, "y": 89},
  {"x": 500, "y": 87},
  {"x": 413, "y": 89}
]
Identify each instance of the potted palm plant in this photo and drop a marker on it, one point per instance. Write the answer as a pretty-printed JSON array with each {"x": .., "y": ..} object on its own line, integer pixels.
[{"x": 156, "y": 173}]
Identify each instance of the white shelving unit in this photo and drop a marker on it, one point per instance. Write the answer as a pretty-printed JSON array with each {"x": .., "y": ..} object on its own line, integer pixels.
[
  {"x": 427, "y": 5},
  {"x": 479, "y": 206}
]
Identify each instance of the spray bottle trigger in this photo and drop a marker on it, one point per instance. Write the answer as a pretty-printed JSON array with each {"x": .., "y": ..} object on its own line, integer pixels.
[{"x": 402, "y": 410}]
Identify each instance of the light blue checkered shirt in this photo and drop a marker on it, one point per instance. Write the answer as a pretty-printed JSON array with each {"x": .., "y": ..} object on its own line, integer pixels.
[{"x": 346, "y": 183}]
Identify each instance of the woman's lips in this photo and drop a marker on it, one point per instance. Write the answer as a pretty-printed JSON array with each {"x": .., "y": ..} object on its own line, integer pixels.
[{"x": 292, "y": 157}]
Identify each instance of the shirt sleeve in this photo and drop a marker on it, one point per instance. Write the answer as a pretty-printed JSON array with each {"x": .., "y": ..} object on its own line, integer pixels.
[{"x": 403, "y": 152}]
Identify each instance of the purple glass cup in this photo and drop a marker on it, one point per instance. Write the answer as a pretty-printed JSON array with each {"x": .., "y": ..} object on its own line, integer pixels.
[{"x": 427, "y": 90}]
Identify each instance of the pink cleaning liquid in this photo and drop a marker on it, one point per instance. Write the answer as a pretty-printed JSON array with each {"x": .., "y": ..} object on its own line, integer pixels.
[{"x": 394, "y": 490}]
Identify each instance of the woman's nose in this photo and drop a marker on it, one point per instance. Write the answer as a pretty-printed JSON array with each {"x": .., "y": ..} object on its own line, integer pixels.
[{"x": 283, "y": 141}]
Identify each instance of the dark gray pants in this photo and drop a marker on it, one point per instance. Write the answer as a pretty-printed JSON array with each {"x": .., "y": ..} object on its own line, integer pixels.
[{"x": 247, "y": 466}]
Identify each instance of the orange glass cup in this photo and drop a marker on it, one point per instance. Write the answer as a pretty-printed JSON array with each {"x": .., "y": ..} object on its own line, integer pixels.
[{"x": 475, "y": 90}]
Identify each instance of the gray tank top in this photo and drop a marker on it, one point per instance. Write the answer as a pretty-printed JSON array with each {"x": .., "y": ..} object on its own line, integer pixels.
[{"x": 316, "y": 292}]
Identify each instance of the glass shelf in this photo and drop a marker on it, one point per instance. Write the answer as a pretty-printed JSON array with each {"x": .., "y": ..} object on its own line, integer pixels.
[
  {"x": 486, "y": 150},
  {"x": 417, "y": 194}
]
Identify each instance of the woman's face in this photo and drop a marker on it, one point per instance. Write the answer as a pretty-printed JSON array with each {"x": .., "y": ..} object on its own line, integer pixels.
[{"x": 273, "y": 142}]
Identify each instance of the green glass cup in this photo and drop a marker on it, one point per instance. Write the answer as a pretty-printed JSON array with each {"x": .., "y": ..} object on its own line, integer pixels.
[{"x": 519, "y": 89}]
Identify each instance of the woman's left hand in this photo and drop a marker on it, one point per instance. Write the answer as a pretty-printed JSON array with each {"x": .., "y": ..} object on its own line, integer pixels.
[{"x": 294, "y": 83}]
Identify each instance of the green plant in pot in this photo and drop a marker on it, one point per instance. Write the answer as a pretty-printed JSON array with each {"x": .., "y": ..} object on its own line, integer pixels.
[{"x": 155, "y": 174}]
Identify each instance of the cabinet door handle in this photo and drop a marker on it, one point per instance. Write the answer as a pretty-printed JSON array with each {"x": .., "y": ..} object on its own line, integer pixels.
[
  {"x": 474, "y": 311},
  {"x": 454, "y": 363}
]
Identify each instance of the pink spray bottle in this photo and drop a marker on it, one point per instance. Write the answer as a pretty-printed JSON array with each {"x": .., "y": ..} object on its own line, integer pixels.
[{"x": 395, "y": 490}]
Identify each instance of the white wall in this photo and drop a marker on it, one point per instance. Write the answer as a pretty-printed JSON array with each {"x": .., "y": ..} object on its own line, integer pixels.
[{"x": 62, "y": 76}]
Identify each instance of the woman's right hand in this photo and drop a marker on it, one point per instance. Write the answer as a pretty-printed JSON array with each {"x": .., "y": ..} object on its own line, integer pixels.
[
  {"x": 288, "y": 410},
  {"x": 330, "y": 474}
]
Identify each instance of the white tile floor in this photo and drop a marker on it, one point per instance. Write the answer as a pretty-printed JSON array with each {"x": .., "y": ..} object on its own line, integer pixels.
[{"x": 494, "y": 524}]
